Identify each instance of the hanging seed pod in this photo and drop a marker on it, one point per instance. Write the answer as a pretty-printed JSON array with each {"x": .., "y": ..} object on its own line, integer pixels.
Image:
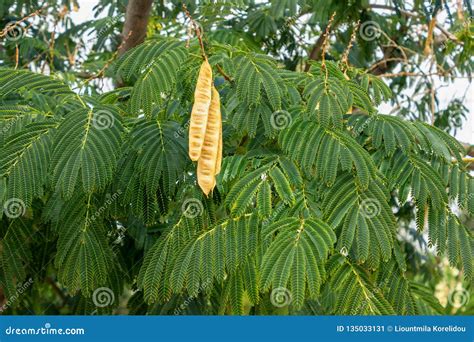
[
  {"x": 219, "y": 148},
  {"x": 206, "y": 169},
  {"x": 199, "y": 114}
]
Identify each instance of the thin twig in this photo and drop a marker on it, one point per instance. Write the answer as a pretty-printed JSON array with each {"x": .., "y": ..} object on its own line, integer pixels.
[
  {"x": 222, "y": 72},
  {"x": 392, "y": 59},
  {"x": 17, "y": 56},
  {"x": 416, "y": 74},
  {"x": 52, "y": 41},
  {"x": 448, "y": 34},
  {"x": 199, "y": 35},
  {"x": 198, "y": 31},
  {"x": 10, "y": 27},
  {"x": 326, "y": 41},
  {"x": 345, "y": 55},
  {"x": 432, "y": 102},
  {"x": 107, "y": 63},
  {"x": 56, "y": 289}
]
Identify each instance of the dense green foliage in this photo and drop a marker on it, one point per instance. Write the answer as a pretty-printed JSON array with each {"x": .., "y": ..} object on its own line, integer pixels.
[{"x": 310, "y": 210}]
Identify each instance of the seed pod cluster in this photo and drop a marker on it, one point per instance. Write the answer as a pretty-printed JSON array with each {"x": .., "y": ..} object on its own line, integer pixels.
[
  {"x": 199, "y": 113},
  {"x": 205, "y": 130}
]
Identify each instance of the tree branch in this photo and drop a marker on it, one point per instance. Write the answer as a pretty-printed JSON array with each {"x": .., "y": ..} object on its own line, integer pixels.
[
  {"x": 135, "y": 26},
  {"x": 391, "y": 57},
  {"x": 415, "y": 15},
  {"x": 319, "y": 47},
  {"x": 315, "y": 53},
  {"x": 56, "y": 289}
]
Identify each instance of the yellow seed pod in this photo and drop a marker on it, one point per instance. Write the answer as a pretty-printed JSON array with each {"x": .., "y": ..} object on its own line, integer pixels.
[
  {"x": 202, "y": 101},
  {"x": 207, "y": 161},
  {"x": 219, "y": 148}
]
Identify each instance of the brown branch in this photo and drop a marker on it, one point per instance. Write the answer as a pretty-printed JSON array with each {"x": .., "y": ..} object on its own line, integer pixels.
[
  {"x": 135, "y": 26},
  {"x": 10, "y": 27},
  {"x": 388, "y": 62},
  {"x": 326, "y": 41},
  {"x": 52, "y": 41},
  {"x": 315, "y": 52},
  {"x": 222, "y": 72},
  {"x": 319, "y": 47},
  {"x": 415, "y": 74},
  {"x": 383, "y": 61},
  {"x": 106, "y": 65},
  {"x": 197, "y": 30},
  {"x": 17, "y": 56},
  {"x": 345, "y": 55},
  {"x": 392, "y": 53},
  {"x": 199, "y": 35},
  {"x": 415, "y": 15},
  {"x": 56, "y": 289}
]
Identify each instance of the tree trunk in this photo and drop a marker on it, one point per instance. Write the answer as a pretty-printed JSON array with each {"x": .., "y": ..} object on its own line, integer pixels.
[
  {"x": 315, "y": 53},
  {"x": 135, "y": 26}
]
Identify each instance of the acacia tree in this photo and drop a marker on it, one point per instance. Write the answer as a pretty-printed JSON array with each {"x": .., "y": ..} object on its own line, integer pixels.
[{"x": 318, "y": 190}]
